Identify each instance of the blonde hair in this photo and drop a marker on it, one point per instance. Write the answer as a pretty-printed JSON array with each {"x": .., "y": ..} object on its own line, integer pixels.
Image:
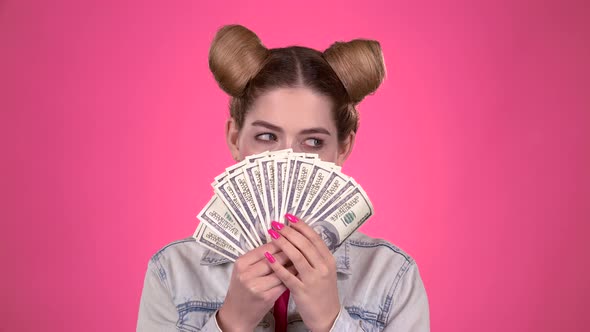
[{"x": 346, "y": 72}]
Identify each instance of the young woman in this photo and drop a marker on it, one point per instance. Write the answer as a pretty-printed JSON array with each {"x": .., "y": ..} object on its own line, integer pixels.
[{"x": 303, "y": 99}]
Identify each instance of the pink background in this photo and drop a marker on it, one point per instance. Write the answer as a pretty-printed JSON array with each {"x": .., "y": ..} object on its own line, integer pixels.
[{"x": 475, "y": 151}]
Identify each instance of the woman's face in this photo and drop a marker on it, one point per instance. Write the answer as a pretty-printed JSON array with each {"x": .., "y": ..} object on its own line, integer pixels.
[{"x": 295, "y": 118}]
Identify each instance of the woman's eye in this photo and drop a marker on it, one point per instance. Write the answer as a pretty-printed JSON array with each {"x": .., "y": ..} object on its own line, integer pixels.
[
  {"x": 266, "y": 137},
  {"x": 314, "y": 142}
]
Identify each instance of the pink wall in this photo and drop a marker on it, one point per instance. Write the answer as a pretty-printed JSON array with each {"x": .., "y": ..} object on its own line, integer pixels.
[{"x": 475, "y": 151}]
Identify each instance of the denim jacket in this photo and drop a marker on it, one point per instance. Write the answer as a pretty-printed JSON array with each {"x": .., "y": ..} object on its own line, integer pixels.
[{"x": 379, "y": 286}]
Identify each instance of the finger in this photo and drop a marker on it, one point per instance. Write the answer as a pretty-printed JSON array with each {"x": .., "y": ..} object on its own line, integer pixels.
[
  {"x": 265, "y": 283},
  {"x": 286, "y": 276},
  {"x": 292, "y": 270},
  {"x": 244, "y": 263},
  {"x": 294, "y": 255},
  {"x": 311, "y": 235},
  {"x": 273, "y": 294},
  {"x": 301, "y": 242},
  {"x": 256, "y": 254},
  {"x": 260, "y": 268}
]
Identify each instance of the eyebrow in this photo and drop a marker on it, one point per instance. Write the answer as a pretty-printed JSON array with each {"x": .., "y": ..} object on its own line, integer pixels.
[{"x": 315, "y": 130}]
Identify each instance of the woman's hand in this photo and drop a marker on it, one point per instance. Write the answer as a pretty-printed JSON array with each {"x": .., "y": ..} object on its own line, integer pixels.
[
  {"x": 314, "y": 288},
  {"x": 253, "y": 289}
]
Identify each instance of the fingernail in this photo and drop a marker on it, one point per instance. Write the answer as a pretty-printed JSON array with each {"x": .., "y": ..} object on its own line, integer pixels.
[
  {"x": 270, "y": 257},
  {"x": 273, "y": 234},
  {"x": 291, "y": 218},
  {"x": 276, "y": 225}
]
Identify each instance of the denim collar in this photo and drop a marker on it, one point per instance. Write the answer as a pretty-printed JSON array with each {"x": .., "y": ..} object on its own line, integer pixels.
[{"x": 341, "y": 255}]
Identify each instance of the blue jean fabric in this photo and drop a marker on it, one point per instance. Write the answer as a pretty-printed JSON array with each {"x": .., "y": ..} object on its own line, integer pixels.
[{"x": 379, "y": 286}]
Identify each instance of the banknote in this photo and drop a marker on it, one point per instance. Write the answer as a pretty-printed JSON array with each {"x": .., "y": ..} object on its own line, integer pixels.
[
  {"x": 289, "y": 186},
  {"x": 304, "y": 169},
  {"x": 263, "y": 187},
  {"x": 213, "y": 241},
  {"x": 335, "y": 223},
  {"x": 281, "y": 170},
  {"x": 267, "y": 179},
  {"x": 254, "y": 182},
  {"x": 317, "y": 179},
  {"x": 334, "y": 187},
  {"x": 216, "y": 215},
  {"x": 246, "y": 200},
  {"x": 225, "y": 191}
]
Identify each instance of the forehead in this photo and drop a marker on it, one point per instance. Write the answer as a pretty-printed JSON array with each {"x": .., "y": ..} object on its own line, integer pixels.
[{"x": 293, "y": 107}]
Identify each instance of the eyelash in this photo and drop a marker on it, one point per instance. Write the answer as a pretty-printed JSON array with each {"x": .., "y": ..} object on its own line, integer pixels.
[
  {"x": 320, "y": 143},
  {"x": 273, "y": 138}
]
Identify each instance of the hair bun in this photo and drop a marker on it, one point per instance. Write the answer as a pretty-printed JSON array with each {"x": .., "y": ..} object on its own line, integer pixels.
[
  {"x": 359, "y": 65},
  {"x": 235, "y": 57}
]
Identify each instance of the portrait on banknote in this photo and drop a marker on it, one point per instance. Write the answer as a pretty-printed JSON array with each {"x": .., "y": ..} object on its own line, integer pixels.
[{"x": 328, "y": 233}]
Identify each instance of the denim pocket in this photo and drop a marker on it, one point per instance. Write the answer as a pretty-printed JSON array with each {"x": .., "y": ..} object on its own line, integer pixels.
[
  {"x": 368, "y": 327},
  {"x": 193, "y": 315},
  {"x": 367, "y": 321}
]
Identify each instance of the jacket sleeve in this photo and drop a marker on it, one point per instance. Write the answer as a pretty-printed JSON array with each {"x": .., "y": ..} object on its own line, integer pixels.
[
  {"x": 409, "y": 311},
  {"x": 157, "y": 312}
]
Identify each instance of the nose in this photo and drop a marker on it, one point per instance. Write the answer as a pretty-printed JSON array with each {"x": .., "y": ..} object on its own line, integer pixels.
[
  {"x": 296, "y": 145},
  {"x": 290, "y": 142}
]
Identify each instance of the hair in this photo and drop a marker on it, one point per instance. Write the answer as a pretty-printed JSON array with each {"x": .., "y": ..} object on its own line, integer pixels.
[{"x": 346, "y": 72}]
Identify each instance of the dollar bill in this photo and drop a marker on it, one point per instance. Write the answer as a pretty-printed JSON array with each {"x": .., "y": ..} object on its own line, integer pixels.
[
  {"x": 293, "y": 157},
  {"x": 269, "y": 183},
  {"x": 238, "y": 167},
  {"x": 335, "y": 223},
  {"x": 303, "y": 172},
  {"x": 334, "y": 199},
  {"x": 263, "y": 187},
  {"x": 280, "y": 167},
  {"x": 229, "y": 197},
  {"x": 281, "y": 172},
  {"x": 214, "y": 242},
  {"x": 335, "y": 186},
  {"x": 254, "y": 181},
  {"x": 216, "y": 215},
  {"x": 267, "y": 176},
  {"x": 247, "y": 202},
  {"x": 329, "y": 165},
  {"x": 249, "y": 159},
  {"x": 319, "y": 176}
]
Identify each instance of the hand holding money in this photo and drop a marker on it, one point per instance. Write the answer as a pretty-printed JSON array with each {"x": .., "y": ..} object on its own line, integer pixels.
[
  {"x": 262, "y": 188},
  {"x": 314, "y": 289},
  {"x": 252, "y": 284}
]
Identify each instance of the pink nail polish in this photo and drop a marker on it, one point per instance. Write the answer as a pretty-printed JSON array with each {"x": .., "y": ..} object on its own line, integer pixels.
[
  {"x": 276, "y": 225},
  {"x": 270, "y": 257},
  {"x": 273, "y": 234},
  {"x": 291, "y": 218}
]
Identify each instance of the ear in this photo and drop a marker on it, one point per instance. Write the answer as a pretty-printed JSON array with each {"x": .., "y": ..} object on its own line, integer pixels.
[
  {"x": 345, "y": 148},
  {"x": 231, "y": 136}
]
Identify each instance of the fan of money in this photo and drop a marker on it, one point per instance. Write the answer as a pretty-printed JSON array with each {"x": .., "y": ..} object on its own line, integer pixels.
[{"x": 262, "y": 188}]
